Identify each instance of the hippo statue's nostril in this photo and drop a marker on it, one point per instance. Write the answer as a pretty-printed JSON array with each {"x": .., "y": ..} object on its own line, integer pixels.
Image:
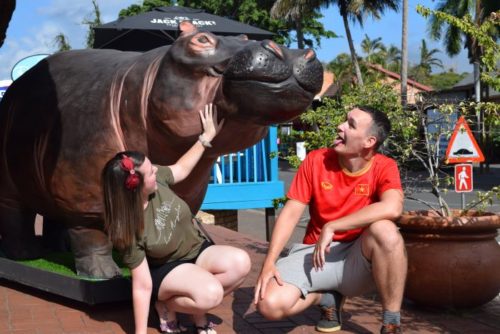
[
  {"x": 273, "y": 47},
  {"x": 310, "y": 55}
]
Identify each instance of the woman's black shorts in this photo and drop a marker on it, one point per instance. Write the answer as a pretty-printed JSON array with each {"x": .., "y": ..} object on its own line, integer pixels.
[{"x": 158, "y": 273}]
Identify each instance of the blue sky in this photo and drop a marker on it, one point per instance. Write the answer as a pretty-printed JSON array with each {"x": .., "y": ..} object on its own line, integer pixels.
[{"x": 35, "y": 23}]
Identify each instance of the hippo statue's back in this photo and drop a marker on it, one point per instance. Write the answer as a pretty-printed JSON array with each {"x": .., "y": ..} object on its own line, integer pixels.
[{"x": 64, "y": 118}]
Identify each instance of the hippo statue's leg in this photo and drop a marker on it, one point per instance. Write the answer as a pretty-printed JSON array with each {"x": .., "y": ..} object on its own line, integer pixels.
[
  {"x": 92, "y": 251},
  {"x": 17, "y": 229}
]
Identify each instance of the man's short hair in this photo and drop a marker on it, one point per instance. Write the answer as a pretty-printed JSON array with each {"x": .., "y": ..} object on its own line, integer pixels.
[{"x": 381, "y": 125}]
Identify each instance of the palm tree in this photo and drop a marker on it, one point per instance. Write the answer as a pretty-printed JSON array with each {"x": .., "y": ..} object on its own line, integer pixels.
[
  {"x": 454, "y": 38},
  {"x": 354, "y": 10},
  {"x": 427, "y": 59},
  {"x": 404, "y": 55},
  {"x": 393, "y": 58},
  {"x": 294, "y": 16},
  {"x": 342, "y": 67},
  {"x": 374, "y": 49},
  {"x": 92, "y": 24},
  {"x": 421, "y": 72},
  {"x": 61, "y": 42}
]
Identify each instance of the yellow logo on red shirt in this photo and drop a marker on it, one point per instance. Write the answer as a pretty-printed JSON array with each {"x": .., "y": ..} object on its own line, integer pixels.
[
  {"x": 326, "y": 185},
  {"x": 362, "y": 190}
]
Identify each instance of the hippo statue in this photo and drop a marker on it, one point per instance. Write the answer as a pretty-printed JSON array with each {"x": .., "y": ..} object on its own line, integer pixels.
[{"x": 65, "y": 117}]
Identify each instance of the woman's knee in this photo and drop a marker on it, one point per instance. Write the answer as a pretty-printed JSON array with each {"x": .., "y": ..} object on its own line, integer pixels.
[
  {"x": 241, "y": 263},
  {"x": 210, "y": 296}
]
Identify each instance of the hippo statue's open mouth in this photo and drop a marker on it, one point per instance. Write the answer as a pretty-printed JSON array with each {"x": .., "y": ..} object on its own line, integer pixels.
[{"x": 264, "y": 74}]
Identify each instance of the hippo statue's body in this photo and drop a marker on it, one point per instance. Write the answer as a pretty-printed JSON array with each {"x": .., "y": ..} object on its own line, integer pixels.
[{"x": 64, "y": 118}]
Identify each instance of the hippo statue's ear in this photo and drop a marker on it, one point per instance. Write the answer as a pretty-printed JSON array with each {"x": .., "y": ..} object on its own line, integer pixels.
[
  {"x": 187, "y": 28},
  {"x": 243, "y": 37}
]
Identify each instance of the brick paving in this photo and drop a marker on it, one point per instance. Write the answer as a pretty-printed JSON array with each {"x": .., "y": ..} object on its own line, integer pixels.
[{"x": 27, "y": 310}]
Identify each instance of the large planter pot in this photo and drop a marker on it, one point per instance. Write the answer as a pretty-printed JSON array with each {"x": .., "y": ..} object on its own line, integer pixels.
[{"x": 452, "y": 261}]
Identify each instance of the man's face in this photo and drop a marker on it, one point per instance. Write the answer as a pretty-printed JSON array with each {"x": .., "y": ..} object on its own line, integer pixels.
[{"x": 354, "y": 134}]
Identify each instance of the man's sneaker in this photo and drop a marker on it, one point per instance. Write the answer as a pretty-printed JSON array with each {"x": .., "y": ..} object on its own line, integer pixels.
[
  {"x": 391, "y": 329},
  {"x": 331, "y": 317}
]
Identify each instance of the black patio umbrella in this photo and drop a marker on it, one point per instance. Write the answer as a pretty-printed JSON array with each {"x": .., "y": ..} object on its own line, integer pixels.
[{"x": 159, "y": 27}]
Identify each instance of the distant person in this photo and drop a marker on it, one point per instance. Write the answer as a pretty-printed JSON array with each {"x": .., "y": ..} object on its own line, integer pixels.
[
  {"x": 351, "y": 245},
  {"x": 173, "y": 264}
]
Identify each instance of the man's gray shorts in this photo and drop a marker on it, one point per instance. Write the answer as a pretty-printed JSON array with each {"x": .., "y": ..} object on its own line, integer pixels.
[{"x": 346, "y": 270}]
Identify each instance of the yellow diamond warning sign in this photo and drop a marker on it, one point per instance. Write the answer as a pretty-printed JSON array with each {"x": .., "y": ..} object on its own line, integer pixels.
[{"x": 463, "y": 146}]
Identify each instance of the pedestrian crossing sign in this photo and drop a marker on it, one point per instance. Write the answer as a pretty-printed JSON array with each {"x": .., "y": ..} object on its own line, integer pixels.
[
  {"x": 463, "y": 146},
  {"x": 463, "y": 178}
]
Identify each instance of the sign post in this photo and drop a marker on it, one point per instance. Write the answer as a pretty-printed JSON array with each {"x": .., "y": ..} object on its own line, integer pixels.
[
  {"x": 463, "y": 150},
  {"x": 463, "y": 180}
]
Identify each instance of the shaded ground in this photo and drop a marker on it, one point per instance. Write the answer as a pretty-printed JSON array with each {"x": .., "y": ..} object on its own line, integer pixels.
[{"x": 27, "y": 310}]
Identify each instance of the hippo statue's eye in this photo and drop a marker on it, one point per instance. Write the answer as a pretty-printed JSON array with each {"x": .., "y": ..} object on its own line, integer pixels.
[{"x": 203, "y": 39}]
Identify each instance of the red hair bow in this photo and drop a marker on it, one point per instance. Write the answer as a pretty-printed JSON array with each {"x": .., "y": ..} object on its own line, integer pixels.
[{"x": 132, "y": 180}]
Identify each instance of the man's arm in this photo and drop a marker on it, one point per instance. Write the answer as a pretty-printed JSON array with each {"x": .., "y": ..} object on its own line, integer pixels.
[
  {"x": 389, "y": 207},
  {"x": 285, "y": 224}
]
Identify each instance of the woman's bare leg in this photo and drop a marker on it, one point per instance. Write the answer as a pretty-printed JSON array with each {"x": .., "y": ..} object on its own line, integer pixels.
[
  {"x": 191, "y": 289},
  {"x": 230, "y": 265}
]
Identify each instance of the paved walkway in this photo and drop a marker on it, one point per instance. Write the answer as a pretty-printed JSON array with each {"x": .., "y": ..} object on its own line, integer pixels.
[{"x": 27, "y": 310}]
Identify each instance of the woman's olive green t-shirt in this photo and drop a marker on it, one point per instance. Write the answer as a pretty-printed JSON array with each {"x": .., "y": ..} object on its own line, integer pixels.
[{"x": 169, "y": 233}]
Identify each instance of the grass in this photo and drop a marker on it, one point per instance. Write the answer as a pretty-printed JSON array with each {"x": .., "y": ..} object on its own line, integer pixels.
[{"x": 63, "y": 263}]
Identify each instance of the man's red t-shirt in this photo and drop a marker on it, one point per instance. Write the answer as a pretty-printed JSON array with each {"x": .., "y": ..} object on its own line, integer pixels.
[{"x": 332, "y": 192}]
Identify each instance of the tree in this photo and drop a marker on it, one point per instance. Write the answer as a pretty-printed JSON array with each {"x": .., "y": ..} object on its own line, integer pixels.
[
  {"x": 147, "y": 6},
  {"x": 354, "y": 10},
  {"x": 422, "y": 71},
  {"x": 6, "y": 9},
  {"x": 374, "y": 49},
  {"x": 61, "y": 42},
  {"x": 92, "y": 24},
  {"x": 393, "y": 58},
  {"x": 481, "y": 35},
  {"x": 454, "y": 36},
  {"x": 404, "y": 55},
  {"x": 427, "y": 59},
  {"x": 444, "y": 80},
  {"x": 254, "y": 12}
]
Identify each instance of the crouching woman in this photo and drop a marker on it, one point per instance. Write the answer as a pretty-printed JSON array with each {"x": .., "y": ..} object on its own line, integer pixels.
[{"x": 173, "y": 265}]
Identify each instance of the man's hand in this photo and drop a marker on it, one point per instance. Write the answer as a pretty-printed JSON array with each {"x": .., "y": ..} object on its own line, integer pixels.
[
  {"x": 267, "y": 273},
  {"x": 322, "y": 246}
]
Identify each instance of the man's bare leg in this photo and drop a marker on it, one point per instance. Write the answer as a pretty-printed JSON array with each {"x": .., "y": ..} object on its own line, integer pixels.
[
  {"x": 383, "y": 245},
  {"x": 285, "y": 300}
]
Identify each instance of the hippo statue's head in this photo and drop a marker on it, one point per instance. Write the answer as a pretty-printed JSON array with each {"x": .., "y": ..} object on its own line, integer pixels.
[{"x": 258, "y": 82}]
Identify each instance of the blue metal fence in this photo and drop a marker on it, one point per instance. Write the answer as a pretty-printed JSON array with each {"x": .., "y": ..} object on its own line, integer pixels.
[{"x": 246, "y": 179}]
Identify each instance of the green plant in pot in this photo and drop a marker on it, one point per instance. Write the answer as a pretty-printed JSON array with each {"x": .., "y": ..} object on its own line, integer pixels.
[
  {"x": 453, "y": 257},
  {"x": 450, "y": 250}
]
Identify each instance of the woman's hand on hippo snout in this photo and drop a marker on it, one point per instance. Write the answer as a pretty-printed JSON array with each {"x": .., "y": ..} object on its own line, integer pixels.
[{"x": 209, "y": 121}]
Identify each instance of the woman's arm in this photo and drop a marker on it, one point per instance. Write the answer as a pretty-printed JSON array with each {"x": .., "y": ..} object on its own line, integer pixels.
[
  {"x": 183, "y": 167},
  {"x": 142, "y": 286}
]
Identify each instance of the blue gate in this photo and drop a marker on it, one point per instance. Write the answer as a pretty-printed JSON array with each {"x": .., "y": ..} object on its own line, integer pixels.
[{"x": 246, "y": 179}]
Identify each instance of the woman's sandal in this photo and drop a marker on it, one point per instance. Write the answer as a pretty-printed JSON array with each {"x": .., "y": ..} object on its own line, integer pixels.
[
  {"x": 209, "y": 328},
  {"x": 173, "y": 326}
]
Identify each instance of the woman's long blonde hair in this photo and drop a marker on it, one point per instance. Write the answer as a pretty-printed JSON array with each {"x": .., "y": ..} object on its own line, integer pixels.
[{"x": 123, "y": 205}]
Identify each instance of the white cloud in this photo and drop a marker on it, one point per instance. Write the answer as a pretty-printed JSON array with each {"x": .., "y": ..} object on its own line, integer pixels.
[{"x": 35, "y": 25}]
